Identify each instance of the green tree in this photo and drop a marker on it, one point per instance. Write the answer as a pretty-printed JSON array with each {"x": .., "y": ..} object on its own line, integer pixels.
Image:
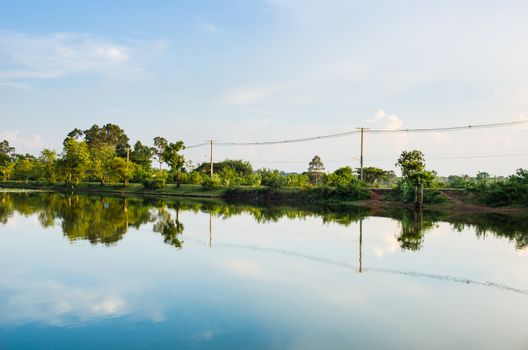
[
  {"x": 24, "y": 168},
  {"x": 316, "y": 169},
  {"x": 342, "y": 177},
  {"x": 48, "y": 163},
  {"x": 297, "y": 180},
  {"x": 75, "y": 160},
  {"x": 110, "y": 135},
  {"x": 174, "y": 159},
  {"x": 121, "y": 170},
  {"x": 142, "y": 155},
  {"x": 6, "y": 160},
  {"x": 160, "y": 145},
  {"x": 373, "y": 175},
  {"x": 272, "y": 178},
  {"x": 101, "y": 158},
  {"x": 412, "y": 165}
]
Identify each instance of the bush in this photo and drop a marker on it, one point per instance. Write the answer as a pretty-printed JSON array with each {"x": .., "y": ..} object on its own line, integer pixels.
[
  {"x": 349, "y": 192},
  {"x": 211, "y": 182},
  {"x": 154, "y": 183},
  {"x": 272, "y": 178}
]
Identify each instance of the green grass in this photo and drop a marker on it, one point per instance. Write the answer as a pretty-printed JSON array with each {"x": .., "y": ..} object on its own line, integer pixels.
[{"x": 132, "y": 188}]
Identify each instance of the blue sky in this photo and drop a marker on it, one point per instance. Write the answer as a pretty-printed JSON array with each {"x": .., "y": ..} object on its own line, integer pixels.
[{"x": 271, "y": 69}]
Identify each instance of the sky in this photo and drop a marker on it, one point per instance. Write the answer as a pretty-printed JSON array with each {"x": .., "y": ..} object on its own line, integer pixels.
[{"x": 238, "y": 71}]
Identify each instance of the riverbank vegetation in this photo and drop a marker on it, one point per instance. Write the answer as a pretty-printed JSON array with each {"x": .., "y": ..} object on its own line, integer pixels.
[{"x": 102, "y": 156}]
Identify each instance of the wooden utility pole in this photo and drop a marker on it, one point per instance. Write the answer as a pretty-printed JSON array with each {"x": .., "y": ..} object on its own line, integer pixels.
[
  {"x": 361, "y": 156},
  {"x": 211, "y": 158}
]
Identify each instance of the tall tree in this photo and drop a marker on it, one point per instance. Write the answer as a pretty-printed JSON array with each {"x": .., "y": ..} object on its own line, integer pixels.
[
  {"x": 412, "y": 165},
  {"x": 6, "y": 160},
  {"x": 24, "y": 168},
  {"x": 121, "y": 170},
  {"x": 174, "y": 159},
  {"x": 48, "y": 161},
  {"x": 75, "y": 160},
  {"x": 101, "y": 157},
  {"x": 109, "y": 134},
  {"x": 316, "y": 168},
  {"x": 160, "y": 144},
  {"x": 142, "y": 155}
]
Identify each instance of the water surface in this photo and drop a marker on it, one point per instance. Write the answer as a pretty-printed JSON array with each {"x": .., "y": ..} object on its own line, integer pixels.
[{"x": 100, "y": 272}]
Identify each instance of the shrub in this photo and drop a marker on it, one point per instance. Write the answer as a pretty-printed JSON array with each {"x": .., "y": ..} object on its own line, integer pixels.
[
  {"x": 154, "y": 183},
  {"x": 211, "y": 182}
]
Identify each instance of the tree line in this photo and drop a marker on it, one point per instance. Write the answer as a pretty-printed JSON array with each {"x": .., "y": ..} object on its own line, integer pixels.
[{"x": 104, "y": 154}]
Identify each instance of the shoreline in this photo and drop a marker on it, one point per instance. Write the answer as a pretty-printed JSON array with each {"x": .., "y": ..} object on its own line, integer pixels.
[{"x": 279, "y": 197}]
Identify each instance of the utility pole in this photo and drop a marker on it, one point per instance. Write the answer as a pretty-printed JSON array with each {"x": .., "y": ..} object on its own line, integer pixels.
[
  {"x": 361, "y": 156},
  {"x": 211, "y": 158}
]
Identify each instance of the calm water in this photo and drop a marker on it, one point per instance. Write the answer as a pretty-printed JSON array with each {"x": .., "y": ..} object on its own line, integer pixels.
[{"x": 95, "y": 272}]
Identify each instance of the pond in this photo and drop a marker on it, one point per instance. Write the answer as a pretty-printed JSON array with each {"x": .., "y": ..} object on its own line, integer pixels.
[{"x": 107, "y": 272}]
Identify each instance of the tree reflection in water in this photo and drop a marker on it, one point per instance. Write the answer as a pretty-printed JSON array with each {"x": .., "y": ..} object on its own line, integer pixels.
[
  {"x": 106, "y": 219},
  {"x": 413, "y": 228}
]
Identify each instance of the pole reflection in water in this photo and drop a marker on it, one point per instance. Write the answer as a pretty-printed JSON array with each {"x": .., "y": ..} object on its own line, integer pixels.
[
  {"x": 360, "y": 245},
  {"x": 210, "y": 229}
]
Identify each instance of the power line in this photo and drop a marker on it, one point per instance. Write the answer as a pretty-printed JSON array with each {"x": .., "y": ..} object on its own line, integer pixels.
[
  {"x": 449, "y": 129},
  {"x": 451, "y": 157},
  {"x": 389, "y": 158},
  {"x": 197, "y": 145},
  {"x": 370, "y": 131}
]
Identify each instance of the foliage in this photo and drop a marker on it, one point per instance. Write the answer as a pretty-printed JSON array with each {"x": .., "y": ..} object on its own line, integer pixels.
[
  {"x": 412, "y": 165},
  {"x": 512, "y": 191},
  {"x": 6, "y": 160},
  {"x": 142, "y": 155},
  {"x": 211, "y": 182},
  {"x": 121, "y": 170},
  {"x": 154, "y": 179},
  {"x": 173, "y": 158},
  {"x": 48, "y": 162},
  {"x": 101, "y": 158},
  {"x": 160, "y": 144},
  {"x": 298, "y": 180},
  {"x": 342, "y": 177},
  {"x": 24, "y": 168},
  {"x": 75, "y": 160},
  {"x": 110, "y": 135},
  {"x": 272, "y": 178},
  {"x": 316, "y": 169},
  {"x": 373, "y": 175}
]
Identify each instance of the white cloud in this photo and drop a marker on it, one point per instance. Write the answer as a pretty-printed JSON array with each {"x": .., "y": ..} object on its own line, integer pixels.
[
  {"x": 54, "y": 303},
  {"x": 386, "y": 121},
  {"x": 24, "y": 143},
  {"x": 59, "y": 54}
]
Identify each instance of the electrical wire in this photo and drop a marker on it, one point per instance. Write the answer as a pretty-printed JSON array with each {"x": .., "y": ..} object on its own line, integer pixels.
[{"x": 365, "y": 130}]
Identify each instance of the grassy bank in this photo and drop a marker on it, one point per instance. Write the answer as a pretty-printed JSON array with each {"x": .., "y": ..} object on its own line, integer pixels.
[
  {"x": 133, "y": 188},
  {"x": 445, "y": 199}
]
